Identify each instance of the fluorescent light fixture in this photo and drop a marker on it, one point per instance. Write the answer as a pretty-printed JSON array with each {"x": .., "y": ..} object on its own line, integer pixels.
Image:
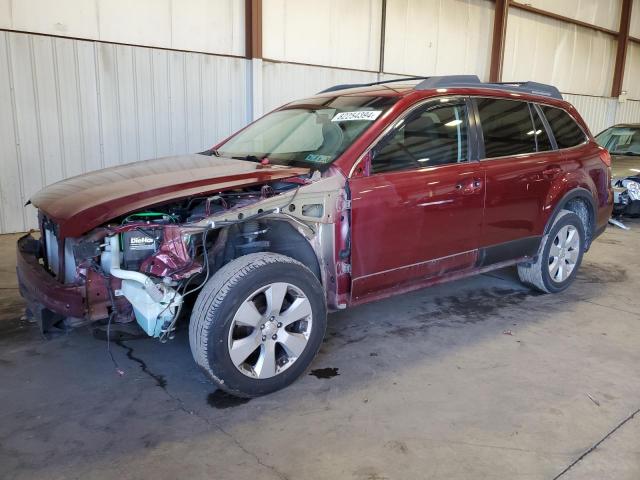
[
  {"x": 453, "y": 123},
  {"x": 423, "y": 159}
]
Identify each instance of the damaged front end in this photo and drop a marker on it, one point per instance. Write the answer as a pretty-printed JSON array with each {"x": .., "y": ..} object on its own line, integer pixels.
[
  {"x": 144, "y": 265},
  {"x": 626, "y": 193}
]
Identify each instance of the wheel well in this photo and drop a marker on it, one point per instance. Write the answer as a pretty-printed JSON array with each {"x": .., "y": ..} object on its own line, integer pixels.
[
  {"x": 276, "y": 236},
  {"x": 581, "y": 206}
]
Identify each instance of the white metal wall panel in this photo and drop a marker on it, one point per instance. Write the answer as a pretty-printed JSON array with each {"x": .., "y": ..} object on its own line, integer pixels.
[
  {"x": 71, "y": 106},
  {"x": 73, "y": 18},
  {"x": 140, "y": 22},
  {"x": 598, "y": 112},
  {"x": 438, "y": 37},
  {"x": 604, "y": 13},
  {"x": 284, "y": 82},
  {"x": 628, "y": 112},
  {"x": 634, "y": 28},
  {"x": 215, "y": 26},
  {"x": 631, "y": 80},
  {"x": 575, "y": 59},
  {"x": 11, "y": 214},
  {"x": 334, "y": 33},
  {"x": 212, "y": 26}
]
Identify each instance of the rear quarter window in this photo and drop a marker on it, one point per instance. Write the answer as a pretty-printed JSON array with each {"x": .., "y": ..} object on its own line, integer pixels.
[{"x": 564, "y": 128}]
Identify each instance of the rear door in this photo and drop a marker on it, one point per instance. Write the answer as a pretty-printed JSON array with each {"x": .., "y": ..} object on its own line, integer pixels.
[
  {"x": 519, "y": 162},
  {"x": 418, "y": 213}
]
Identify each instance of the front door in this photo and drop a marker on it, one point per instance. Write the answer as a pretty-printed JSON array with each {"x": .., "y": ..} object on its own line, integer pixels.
[{"x": 418, "y": 213}]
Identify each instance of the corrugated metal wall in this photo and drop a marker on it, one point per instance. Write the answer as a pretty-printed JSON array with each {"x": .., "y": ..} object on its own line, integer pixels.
[
  {"x": 284, "y": 82},
  {"x": 335, "y": 33},
  {"x": 436, "y": 37},
  {"x": 604, "y": 13},
  {"x": 598, "y": 112},
  {"x": 575, "y": 59},
  {"x": 211, "y": 26},
  {"x": 628, "y": 112},
  {"x": 70, "y": 106}
]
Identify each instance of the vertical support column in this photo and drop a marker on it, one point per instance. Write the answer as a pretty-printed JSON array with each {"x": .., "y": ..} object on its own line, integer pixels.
[
  {"x": 497, "y": 44},
  {"x": 253, "y": 49},
  {"x": 621, "y": 53},
  {"x": 383, "y": 34},
  {"x": 253, "y": 28}
]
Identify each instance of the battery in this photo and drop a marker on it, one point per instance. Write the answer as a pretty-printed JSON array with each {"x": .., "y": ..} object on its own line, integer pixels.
[{"x": 138, "y": 245}]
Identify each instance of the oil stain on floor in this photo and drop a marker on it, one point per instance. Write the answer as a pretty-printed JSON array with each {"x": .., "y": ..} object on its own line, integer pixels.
[{"x": 324, "y": 373}]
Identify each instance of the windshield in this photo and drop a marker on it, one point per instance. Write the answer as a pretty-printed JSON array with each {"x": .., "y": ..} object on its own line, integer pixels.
[
  {"x": 620, "y": 140},
  {"x": 312, "y": 132}
]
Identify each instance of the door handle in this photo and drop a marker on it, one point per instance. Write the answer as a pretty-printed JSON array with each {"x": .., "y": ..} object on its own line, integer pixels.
[
  {"x": 470, "y": 186},
  {"x": 552, "y": 171}
]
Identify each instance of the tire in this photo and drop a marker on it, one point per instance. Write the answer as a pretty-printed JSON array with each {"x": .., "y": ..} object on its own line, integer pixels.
[
  {"x": 241, "y": 298},
  {"x": 542, "y": 274}
]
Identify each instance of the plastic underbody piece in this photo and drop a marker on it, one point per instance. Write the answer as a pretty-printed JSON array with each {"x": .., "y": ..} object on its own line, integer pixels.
[{"x": 150, "y": 315}]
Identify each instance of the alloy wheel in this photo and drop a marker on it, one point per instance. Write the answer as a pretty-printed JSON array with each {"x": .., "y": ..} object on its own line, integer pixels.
[
  {"x": 270, "y": 330},
  {"x": 564, "y": 252}
]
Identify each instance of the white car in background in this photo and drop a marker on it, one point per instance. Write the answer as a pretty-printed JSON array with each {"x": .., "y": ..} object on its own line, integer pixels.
[{"x": 623, "y": 143}]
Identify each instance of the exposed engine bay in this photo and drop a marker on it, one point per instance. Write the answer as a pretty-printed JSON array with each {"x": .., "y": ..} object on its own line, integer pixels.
[{"x": 143, "y": 265}]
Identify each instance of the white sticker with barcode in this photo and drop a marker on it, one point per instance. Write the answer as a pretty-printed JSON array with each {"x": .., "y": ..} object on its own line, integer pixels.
[{"x": 368, "y": 115}]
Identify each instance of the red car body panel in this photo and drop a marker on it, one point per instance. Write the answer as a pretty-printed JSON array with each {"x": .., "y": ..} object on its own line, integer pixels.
[
  {"x": 81, "y": 203},
  {"x": 403, "y": 222}
]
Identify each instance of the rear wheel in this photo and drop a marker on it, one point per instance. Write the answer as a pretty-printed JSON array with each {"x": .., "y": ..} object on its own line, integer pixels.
[
  {"x": 559, "y": 257},
  {"x": 258, "y": 323}
]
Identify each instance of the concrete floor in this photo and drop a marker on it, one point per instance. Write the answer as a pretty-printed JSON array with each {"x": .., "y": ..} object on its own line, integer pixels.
[{"x": 477, "y": 379}]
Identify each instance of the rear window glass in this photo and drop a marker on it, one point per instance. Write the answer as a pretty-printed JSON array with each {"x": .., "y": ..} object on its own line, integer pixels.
[
  {"x": 507, "y": 127},
  {"x": 565, "y": 129}
]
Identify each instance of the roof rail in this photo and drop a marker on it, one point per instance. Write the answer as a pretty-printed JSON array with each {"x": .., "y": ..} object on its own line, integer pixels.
[
  {"x": 355, "y": 85},
  {"x": 472, "y": 81},
  {"x": 451, "y": 81}
]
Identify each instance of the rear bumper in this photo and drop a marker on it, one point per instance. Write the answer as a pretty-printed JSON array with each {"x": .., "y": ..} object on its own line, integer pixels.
[{"x": 43, "y": 291}]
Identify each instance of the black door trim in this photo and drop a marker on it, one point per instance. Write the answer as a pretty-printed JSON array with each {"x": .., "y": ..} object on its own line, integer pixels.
[{"x": 523, "y": 247}]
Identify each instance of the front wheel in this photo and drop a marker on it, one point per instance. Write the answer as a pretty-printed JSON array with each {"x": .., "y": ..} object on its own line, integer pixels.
[
  {"x": 559, "y": 256},
  {"x": 258, "y": 323}
]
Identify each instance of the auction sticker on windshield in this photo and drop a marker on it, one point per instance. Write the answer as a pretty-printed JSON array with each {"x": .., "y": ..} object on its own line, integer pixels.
[{"x": 368, "y": 115}]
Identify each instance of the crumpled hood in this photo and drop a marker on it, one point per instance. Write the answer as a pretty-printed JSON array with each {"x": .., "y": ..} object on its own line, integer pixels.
[
  {"x": 81, "y": 203},
  {"x": 624, "y": 166}
]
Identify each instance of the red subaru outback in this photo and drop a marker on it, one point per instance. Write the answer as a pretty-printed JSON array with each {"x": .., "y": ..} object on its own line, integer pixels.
[{"x": 355, "y": 194}]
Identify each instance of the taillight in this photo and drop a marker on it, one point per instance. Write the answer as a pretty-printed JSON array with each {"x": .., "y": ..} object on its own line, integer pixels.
[{"x": 605, "y": 157}]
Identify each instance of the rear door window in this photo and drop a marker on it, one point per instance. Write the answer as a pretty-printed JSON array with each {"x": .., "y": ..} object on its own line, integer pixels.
[
  {"x": 507, "y": 127},
  {"x": 565, "y": 129}
]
